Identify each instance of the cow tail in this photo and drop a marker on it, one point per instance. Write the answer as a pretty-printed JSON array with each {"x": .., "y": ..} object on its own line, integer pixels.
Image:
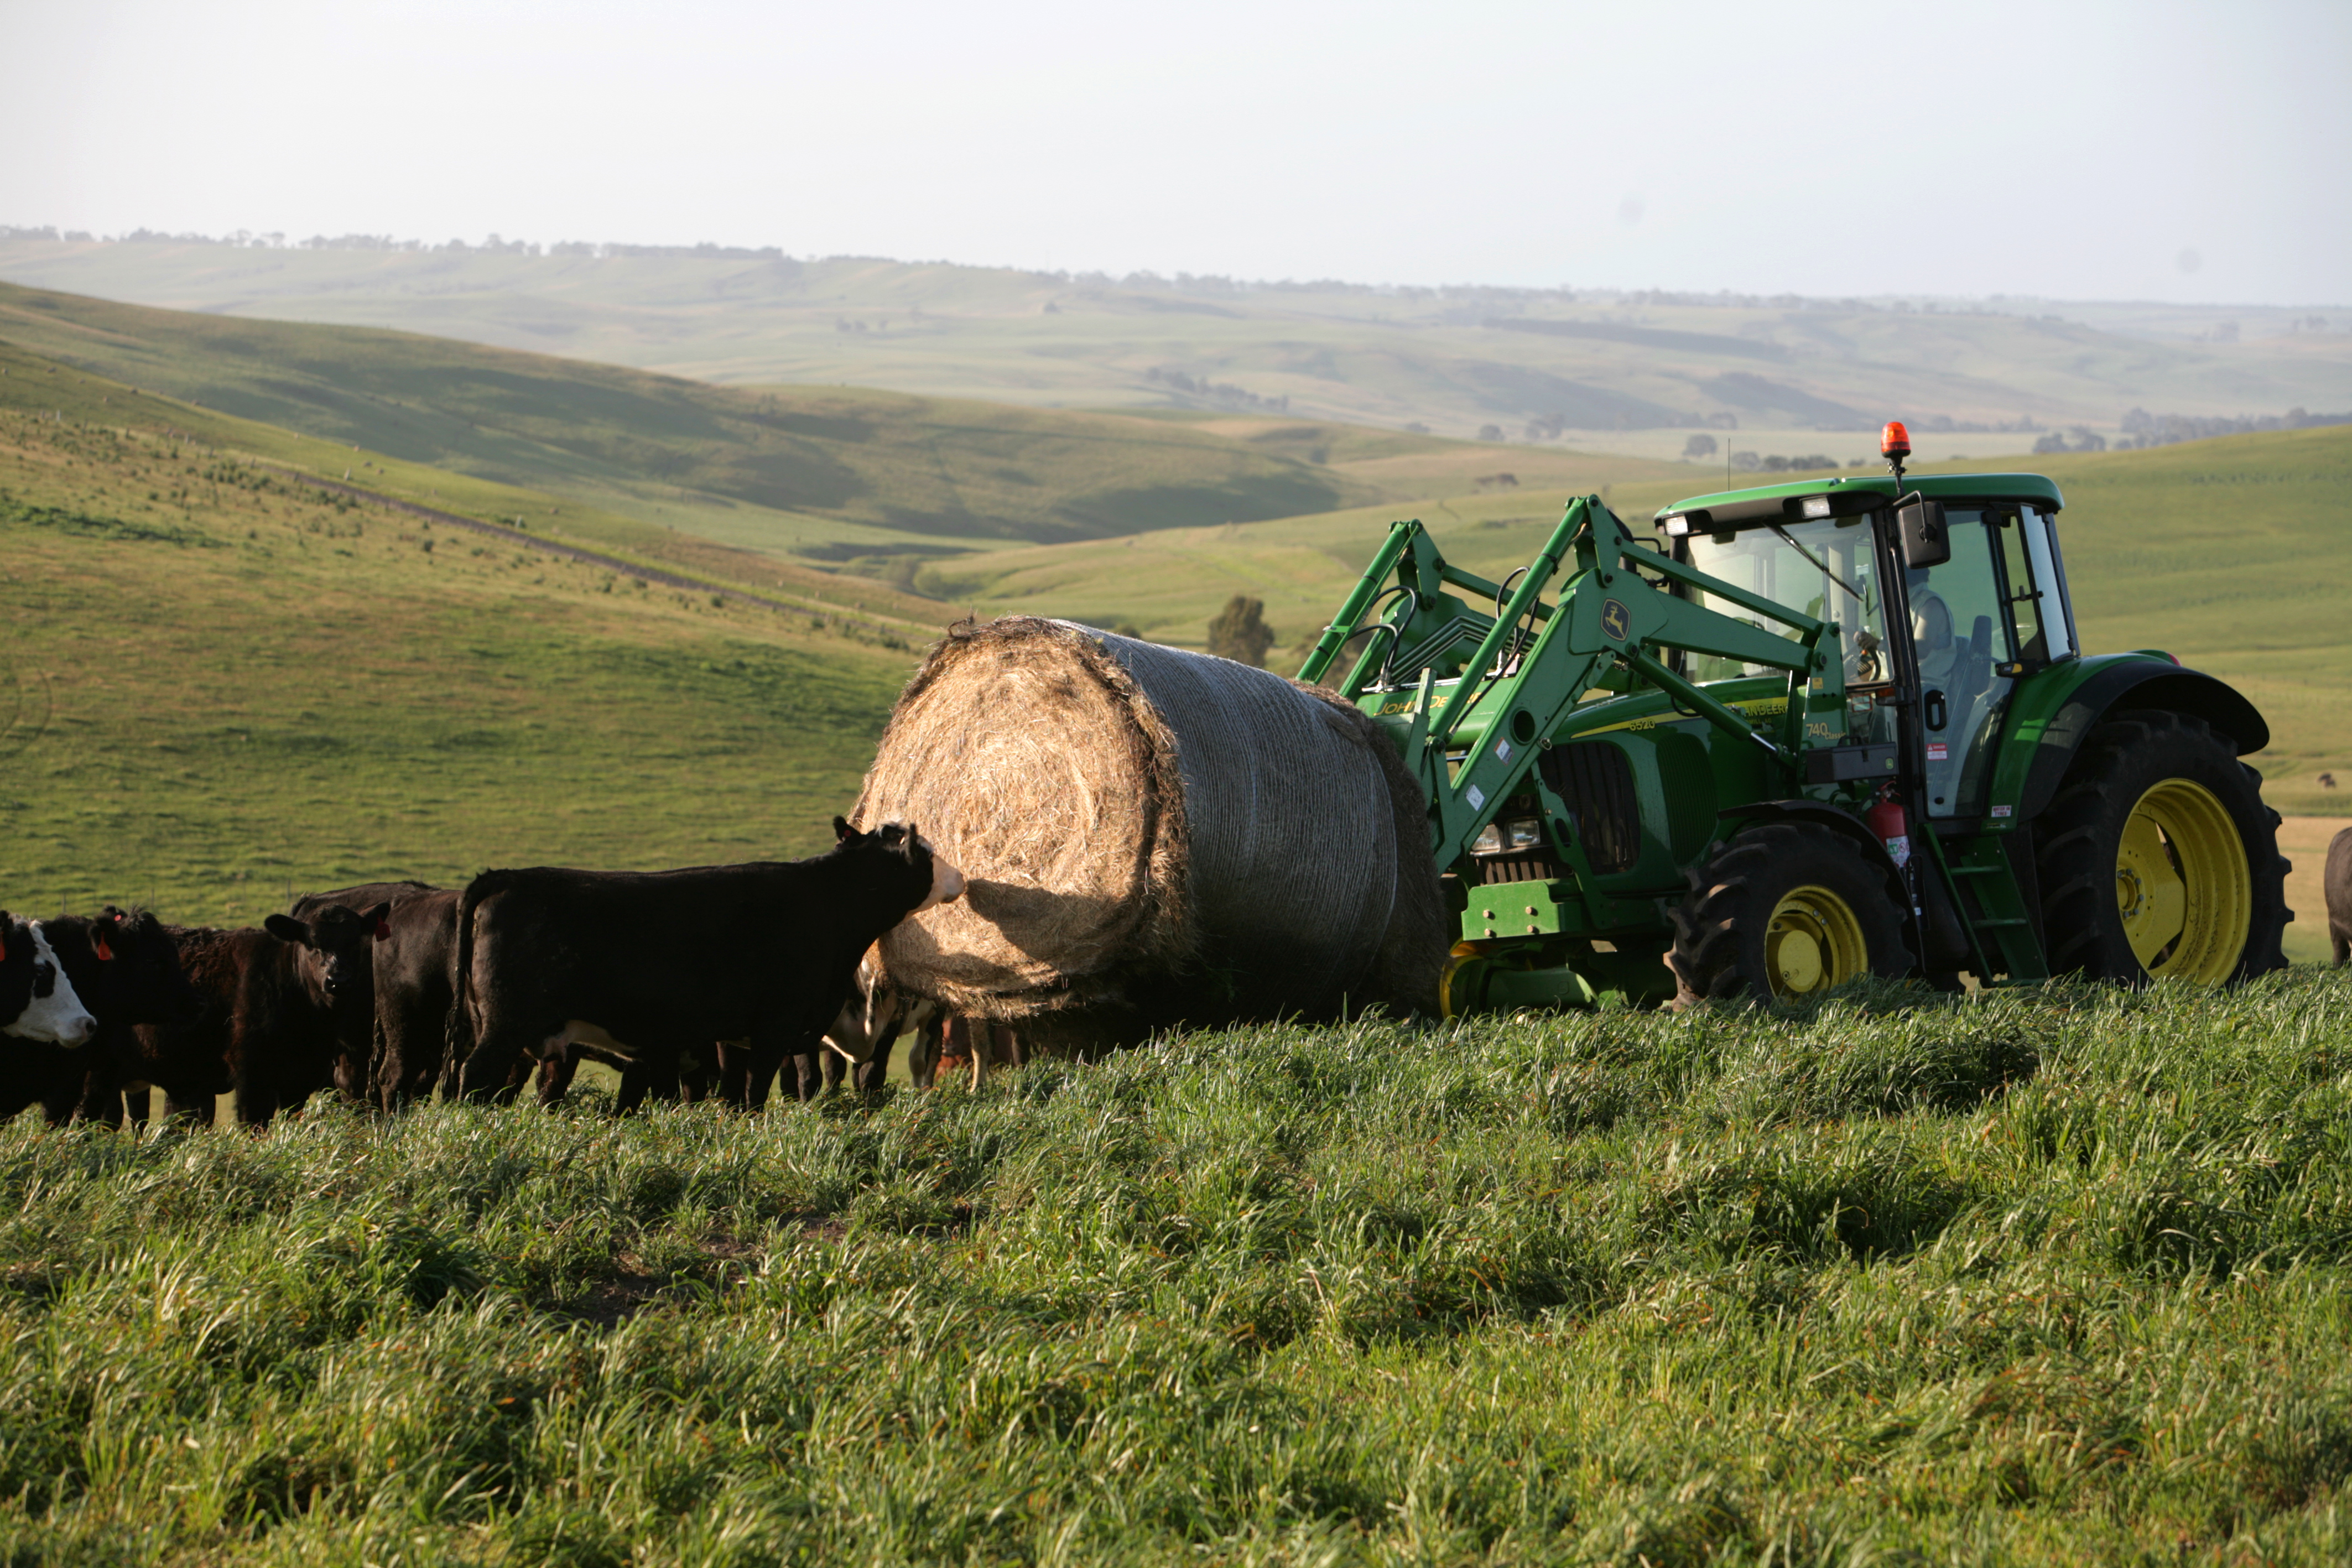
[{"x": 458, "y": 1034}]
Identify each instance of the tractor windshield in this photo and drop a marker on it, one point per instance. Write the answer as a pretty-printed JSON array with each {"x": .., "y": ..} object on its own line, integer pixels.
[{"x": 1826, "y": 569}]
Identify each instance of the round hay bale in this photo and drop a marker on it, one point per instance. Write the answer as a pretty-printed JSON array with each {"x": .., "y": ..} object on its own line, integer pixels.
[{"x": 1150, "y": 836}]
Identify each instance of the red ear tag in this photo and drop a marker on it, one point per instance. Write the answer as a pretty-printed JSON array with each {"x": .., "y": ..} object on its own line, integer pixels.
[
  {"x": 4, "y": 947},
  {"x": 105, "y": 953},
  {"x": 384, "y": 930}
]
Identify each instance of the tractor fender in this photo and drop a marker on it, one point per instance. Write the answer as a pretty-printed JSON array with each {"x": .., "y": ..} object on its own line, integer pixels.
[
  {"x": 2056, "y": 730},
  {"x": 1820, "y": 813}
]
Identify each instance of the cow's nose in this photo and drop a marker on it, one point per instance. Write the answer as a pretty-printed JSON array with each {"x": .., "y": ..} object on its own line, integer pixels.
[{"x": 84, "y": 1031}]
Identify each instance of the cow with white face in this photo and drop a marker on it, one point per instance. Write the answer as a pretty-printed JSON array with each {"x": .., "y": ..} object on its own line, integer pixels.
[{"x": 36, "y": 999}]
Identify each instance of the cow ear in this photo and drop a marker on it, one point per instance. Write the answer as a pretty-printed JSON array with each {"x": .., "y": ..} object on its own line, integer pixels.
[
  {"x": 285, "y": 928},
  {"x": 841, "y": 832},
  {"x": 376, "y": 917}
]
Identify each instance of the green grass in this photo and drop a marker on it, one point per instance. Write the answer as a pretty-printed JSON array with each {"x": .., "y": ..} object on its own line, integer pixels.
[
  {"x": 2041, "y": 1278},
  {"x": 221, "y": 684}
]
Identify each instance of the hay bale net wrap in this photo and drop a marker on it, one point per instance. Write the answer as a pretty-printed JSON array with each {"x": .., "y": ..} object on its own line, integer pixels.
[{"x": 1152, "y": 829}]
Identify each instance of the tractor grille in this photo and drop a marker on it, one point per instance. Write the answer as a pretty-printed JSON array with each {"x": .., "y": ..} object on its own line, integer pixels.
[
  {"x": 1521, "y": 867},
  {"x": 1596, "y": 781}
]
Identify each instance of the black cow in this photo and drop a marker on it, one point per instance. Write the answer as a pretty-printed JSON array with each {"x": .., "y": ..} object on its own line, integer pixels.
[
  {"x": 127, "y": 971},
  {"x": 413, "y": 954},
  {"x": 283, "y": 1006},
  {"x": 764, "y": 952},
  {"x": 2337, "y": 880}
]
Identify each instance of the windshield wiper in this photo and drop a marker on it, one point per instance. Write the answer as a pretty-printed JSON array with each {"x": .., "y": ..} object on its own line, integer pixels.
[{"x": 1823, "y": 565}]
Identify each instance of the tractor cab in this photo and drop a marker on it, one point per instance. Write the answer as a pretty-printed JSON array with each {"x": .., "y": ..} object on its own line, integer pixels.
[{"x": 1932, "y": 640}]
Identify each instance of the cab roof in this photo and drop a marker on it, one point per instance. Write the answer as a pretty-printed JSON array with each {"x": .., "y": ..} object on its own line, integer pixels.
[{"x": 2030, "y": 489}]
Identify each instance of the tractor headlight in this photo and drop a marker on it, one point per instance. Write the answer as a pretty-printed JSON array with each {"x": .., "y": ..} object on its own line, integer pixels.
[
  {"x": 1526, "y": 833},
  {"x": 1489, "y": 840}
]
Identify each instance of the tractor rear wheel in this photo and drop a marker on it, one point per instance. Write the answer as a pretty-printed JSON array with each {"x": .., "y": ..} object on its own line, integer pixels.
[
  {"x": 1786, "y": 911},
  {"x": 2157, "y": 859}
]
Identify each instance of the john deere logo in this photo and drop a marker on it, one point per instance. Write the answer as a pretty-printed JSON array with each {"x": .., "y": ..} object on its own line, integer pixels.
[{"x": 1615, "y": 619}]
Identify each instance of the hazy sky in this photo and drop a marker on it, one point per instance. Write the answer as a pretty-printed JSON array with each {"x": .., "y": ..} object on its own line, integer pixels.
[{"x": 2083, "y": 150}]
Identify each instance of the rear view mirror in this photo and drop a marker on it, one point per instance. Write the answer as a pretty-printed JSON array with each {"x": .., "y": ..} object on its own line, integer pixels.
[{"x": 1925, "y": 542}]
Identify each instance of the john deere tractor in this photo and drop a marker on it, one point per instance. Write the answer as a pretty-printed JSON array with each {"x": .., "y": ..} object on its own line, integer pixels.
[{"x": 1804, "y": 733}]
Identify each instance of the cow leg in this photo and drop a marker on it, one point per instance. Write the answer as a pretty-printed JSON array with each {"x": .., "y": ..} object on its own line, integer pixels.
[
  {"x": 873, "y": 1074},
  {"x": 735, "y": 1072},
  {"x": 697, "y": 1070},
  {"x": 655, "y": 1077},
  {"x": 955, "y": 1046},
  {"x": 555, "y": 1075},
  {"x": 101, "y": 1101},
  {"x": 923, "y": 1056},
  {"x": 257, "y": 1099},
  {"x": 829, "y": 1071},
  {"x": 2341, "y": 941},
  {"x": 771, "y": 1048},
  {"x": 500, "y": 1063},
  {"x": 187, "y": 1114},
  {"x": 137, "y": 1103}
]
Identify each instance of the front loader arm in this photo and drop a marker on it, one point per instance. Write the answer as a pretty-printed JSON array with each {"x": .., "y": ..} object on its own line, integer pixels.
[{"x": 1606, "y": 614}]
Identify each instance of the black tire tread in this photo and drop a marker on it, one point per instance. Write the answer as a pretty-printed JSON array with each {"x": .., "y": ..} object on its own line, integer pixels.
[
  {"x": 2077, "y": 863},
  {"x": 1715, "y": 917}
]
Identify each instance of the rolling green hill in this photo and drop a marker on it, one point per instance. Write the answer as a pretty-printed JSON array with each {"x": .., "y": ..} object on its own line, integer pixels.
[
  {"x": 221, "y": 683},
  {"x": 1590, "y": 368},
  {"x": 767, "y": 469}
]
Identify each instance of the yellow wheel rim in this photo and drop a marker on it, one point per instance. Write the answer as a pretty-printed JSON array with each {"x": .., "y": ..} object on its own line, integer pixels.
[
  {"x": 1813, "y": 944},
  {"x": 1462, "y": 954},
  {"x": 2183, "y": 884}
]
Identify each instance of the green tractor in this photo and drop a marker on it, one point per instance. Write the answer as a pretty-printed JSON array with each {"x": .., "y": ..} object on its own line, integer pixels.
[{"x": 1818, "y": 730}]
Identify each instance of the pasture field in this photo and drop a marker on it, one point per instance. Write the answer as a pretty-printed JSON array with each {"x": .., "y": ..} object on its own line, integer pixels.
[
  {"x": 2047, "y": 1278},
  {"x": 221, "y": 684}
]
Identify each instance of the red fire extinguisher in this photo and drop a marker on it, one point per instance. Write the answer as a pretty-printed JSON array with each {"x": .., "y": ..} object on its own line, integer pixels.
[{"x": 1886, "y": 820}]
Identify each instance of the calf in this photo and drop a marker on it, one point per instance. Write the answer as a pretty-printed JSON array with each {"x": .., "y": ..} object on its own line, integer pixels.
[
  {"x": 764, "y": 952},
  {"x": 2337, "y": 880},
  {"x": 280, "y": 1007},
  {"x": 415, "y": 945},
  {"x": 38, "y": 999}
]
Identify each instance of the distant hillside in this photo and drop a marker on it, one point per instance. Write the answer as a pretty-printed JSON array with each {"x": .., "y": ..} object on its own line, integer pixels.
[
  {"x": 906, "y": 467},
  {"x": 1585, "y": 369}
]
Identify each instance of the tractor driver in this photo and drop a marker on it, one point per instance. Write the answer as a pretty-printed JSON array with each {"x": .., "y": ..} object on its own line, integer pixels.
[{"x": 1931, "y": 639}]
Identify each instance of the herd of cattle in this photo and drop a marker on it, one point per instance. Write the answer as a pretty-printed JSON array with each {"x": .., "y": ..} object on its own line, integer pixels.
[{"x": 703, "y": 982}]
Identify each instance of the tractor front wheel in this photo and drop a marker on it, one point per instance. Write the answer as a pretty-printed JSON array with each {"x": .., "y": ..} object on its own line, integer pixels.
[
  {"x": 1785, "y": 910},
  {"x": 2157, "y": 859}
]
